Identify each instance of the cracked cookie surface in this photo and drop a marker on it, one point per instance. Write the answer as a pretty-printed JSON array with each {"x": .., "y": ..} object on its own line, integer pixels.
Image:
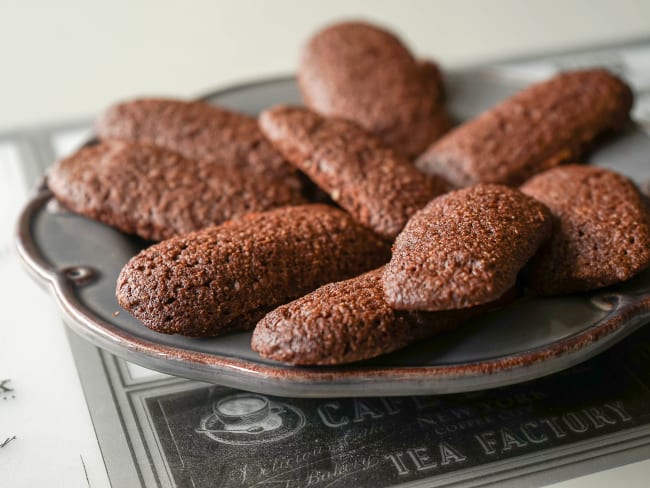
[
  {"x": 464, "y": 248},
  {"x": 363, "y": 73},
  {"x": 344, "y": 322},
  {"x": 227, "y": 277},
  {"x": 156, "y": 193},
  {"x": 378, "y": 187},
  {"x": 547, "y": 124},
  {"x": 601, "y": 230},
  {"x": 197, "y": 130}
]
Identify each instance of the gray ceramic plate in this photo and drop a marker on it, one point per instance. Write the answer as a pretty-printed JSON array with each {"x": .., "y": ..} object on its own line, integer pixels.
[{"x": 80, "y": 259}]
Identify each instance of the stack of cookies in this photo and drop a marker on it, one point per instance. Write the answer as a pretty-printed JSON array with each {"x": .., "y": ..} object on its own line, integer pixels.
[{"x": 426, "y": 227}]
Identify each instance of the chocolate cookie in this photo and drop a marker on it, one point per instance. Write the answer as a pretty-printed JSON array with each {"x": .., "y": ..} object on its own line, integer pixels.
[
  {"x": 196, "y": 130},
  {"x": 378, "y": 187},
  {"x": 464, "y": 248},
  {"x": 547, "y": 124},
  {"x": 227, "y": 277},
  {"x": 156, "y": 193},
  {"x": 363, "y": 73},
  {"x": 434, "y": 78},
  {"x": 344, "y": 322},
  {"x": 601, "y": 231}
]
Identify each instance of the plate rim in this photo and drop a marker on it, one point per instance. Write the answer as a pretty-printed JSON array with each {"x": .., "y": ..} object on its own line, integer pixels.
[
  {"x": 623, "y": 319},
  {"x": 626, "y": 316}
]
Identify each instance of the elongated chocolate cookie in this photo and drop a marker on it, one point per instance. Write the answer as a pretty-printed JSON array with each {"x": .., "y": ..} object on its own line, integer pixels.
[
  {"x": 465, "y": 248},
  {"x": 601, "y": 231},
  {"x": 378, "y": 187},
  {"x": 547, "y": 124},
  {"x": 347, "y": 321},
  {"x": 433, "y": 76},
  {"x": 156, "y": 193},
  {"x": 363, "y": 73},
  {"x": 227, "y": 277},
  {"x": 196, "y": 130}
]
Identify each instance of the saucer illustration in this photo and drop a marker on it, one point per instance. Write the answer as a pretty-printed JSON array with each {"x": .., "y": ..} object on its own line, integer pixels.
[{"x": 249, "y": 418}]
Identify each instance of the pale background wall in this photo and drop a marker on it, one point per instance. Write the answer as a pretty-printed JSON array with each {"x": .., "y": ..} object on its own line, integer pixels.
[{"x": 63, "y": 59}]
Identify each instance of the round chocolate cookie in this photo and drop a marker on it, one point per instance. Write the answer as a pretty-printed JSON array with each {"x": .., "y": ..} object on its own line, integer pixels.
[
  {"x": 547, "y": 124},
  {"x": 156, "y": 193},
  {"x": 227, "y": 277},
  {"x": 363, "y": 73},
  {"x": 601, "y": 230},
  {"x": 196, "y": 130},
  {"x": 464, "y": 248},
  {"x": 378, "y": 187}
]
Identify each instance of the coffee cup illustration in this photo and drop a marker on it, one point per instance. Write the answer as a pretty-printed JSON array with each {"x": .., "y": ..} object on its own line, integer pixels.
[
  {"x": 245, "y": 418},
  {"x": 247, "y": 412}
]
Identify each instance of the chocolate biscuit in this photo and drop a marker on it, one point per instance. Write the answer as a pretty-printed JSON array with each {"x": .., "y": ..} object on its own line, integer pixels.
[
  {"x": 156, "y": 193},
  {"x": 433, "y": 76},
  {"x": 227, "y": 277},
  {"x": 547, "y": 124},
  {"x": 347, "y": 321},
  {"x": 363, "y": 73},
  {"x": 464, "y": 248},
  {"x": 197, "y": 130},
  {"x": 378, "y": 187},
  {"x": 601, "y": 230}
]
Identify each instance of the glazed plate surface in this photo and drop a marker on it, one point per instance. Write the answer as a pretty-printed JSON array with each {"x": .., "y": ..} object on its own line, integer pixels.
[{"x": 79, "y": 260}]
